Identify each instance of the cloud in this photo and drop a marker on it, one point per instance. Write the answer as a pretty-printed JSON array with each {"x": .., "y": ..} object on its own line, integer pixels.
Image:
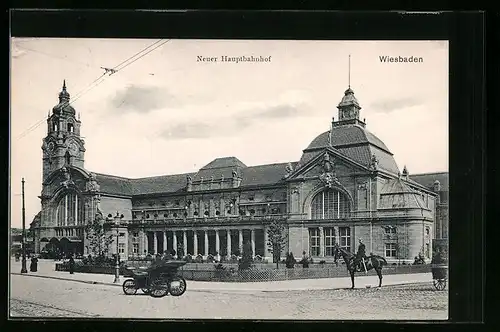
[
  {"x": 280, "y": 111},
  {"x": 142, "y": 99},
  {"x": 229, "y": 126},
  {"x": 391, "y": 105},
  {"x": 192, "y": 130}
]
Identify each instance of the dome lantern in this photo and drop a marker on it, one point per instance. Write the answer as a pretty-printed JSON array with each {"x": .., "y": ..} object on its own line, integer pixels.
[{"x": 64, "y": 106}]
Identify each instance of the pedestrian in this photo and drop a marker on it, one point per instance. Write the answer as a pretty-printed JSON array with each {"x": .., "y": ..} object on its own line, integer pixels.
[
  {"x": 305, "y": 260},
  {"x": 34, "y": 264},
  {"x": 71, "y": 265}
]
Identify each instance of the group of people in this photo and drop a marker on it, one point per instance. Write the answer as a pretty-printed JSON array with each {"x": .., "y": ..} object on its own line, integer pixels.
[{"x": 33, "y": 264}]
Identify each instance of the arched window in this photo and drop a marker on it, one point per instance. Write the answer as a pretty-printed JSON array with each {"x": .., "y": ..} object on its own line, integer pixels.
[
  {"x": 70, "y": 210},
  {"x": 330, "y": 204}
]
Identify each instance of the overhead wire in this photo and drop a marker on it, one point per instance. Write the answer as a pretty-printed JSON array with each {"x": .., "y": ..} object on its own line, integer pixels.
[{"x": 100, "y": 80}]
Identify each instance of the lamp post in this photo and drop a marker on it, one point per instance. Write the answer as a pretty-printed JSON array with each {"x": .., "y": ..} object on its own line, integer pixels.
[
  {"x": 116, "y": 221},
  {"x": 23, "y": 262}
]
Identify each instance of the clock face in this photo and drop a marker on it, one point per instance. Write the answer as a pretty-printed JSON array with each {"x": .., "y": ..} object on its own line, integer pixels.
[{"x": 73, "y": 148}]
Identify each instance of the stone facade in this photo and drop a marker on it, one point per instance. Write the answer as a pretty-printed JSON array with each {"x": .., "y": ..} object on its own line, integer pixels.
[{"x": 346, "y": 187}]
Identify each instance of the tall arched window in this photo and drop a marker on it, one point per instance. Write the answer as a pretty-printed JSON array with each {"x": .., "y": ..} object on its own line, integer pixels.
[
  {"x": 330, "y": 204},
  {"x": 70, "y": 210}
]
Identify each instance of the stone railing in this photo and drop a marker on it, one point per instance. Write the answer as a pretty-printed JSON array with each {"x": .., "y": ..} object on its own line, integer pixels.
[{"x": 202, "y": 220}]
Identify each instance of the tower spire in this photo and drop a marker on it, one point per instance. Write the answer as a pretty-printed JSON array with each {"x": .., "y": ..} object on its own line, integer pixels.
[
  {"x": 349, "y": 73},
  {"x": 64, "y": 95}
]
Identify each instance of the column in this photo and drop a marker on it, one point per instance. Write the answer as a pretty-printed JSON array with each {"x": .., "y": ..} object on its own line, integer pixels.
[
  {"x": 252, "y": 237},
  {"x": 184, "y": 242},
  {"x": 155, "y": 242},
  {"x": 206, "y": 243},
  {"x": 321, "y": 242},
  {"x": 174, "y": 242},
  {"x": 145, "y": 242},
  {"x": 266, "y": 239},
  {"x": 66, "y": 210},
  {"x": 228, "y": 242},
  {"x": 165, "y": 246},
  {"x": 195, "y": 243},
  {"x": 76, "y": 209},
  {"x": 217, "y": 242},
  {"x": 240, "y": 241}
]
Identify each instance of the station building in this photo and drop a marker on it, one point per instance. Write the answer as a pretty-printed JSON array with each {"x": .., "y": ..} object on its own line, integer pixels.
[{"x": 346, "y": 186}]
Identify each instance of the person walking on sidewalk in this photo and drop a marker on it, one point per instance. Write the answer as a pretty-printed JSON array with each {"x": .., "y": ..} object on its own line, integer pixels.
[
  {"x": 71, "y": 265},
  {"x": 34, "y": 264}
]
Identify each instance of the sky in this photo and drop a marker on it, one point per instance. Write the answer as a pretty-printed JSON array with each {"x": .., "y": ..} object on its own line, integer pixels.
[{"x": 167, "y": 113}]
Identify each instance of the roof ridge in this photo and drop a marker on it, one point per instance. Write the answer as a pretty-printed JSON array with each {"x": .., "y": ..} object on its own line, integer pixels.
[
  {"x": 286, "y": 162},
  {"x": 430, "y": 173},
  {"x": 164, "y": 175},
  {"x": 112, "y": 176}
]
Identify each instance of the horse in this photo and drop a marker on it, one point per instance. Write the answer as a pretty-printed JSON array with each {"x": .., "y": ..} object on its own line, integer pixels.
[{"x": 372, "y": 262}]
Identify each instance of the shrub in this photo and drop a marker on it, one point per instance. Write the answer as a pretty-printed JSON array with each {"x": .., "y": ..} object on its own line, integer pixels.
[
  {"x": 233, "y": 259},
  {"x": 246, "y": 260}
]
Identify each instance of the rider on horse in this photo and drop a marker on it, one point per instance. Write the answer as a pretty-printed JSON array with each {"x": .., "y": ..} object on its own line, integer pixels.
[{"x": 360, "y": 256}]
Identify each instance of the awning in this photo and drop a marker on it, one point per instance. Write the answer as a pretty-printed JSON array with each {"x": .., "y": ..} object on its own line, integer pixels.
[{"x": 71, "y": 239}]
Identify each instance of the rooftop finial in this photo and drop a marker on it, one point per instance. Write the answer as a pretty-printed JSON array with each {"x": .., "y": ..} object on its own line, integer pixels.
[
  {"x": 349, "y": 75},
  {"x": 64, "y": 95}
]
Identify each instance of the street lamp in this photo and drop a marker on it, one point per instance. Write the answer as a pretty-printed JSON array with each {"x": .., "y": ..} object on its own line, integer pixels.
[
  {"x": 23, "y": 262},
  {"x": 116, "y": 220}
]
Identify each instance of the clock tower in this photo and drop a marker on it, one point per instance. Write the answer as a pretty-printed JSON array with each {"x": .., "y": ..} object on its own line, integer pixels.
[{"x": 63, "y": 145}]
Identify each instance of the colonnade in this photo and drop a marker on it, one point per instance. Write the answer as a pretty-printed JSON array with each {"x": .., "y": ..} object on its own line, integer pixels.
[{"x": 194, "y": 234}]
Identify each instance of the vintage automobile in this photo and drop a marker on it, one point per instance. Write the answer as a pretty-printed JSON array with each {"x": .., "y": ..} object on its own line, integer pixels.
[{"x": 157, "y": 280}]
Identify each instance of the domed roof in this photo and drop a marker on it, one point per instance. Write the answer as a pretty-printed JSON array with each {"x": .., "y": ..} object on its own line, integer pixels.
[
  {"x": 64, "y": 105},
  {"x": 356, "y": 143},
  {"x": 65, "y": 108}
]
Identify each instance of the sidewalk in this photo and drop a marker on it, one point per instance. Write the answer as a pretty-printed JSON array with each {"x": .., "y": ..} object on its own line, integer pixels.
[{"x": 46, "y": 270}]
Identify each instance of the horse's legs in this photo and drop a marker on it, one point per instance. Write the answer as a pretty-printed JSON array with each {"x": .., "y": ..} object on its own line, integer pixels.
[
  {"x": 352, "y": 278},
  {"x": 379, "y": 273}
]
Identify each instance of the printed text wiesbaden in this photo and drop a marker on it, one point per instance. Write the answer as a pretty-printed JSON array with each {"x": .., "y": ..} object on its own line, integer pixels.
[{"x": 407, "y": 59}]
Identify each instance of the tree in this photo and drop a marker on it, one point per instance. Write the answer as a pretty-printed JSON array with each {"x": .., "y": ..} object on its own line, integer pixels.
[
  {"x": 277, "y": 239},
  {"x": 98, "y": 238},
  {"x": 246, "y": 259}
]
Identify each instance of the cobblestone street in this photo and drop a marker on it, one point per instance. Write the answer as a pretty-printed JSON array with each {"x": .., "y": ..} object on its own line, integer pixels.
[{"x": 41, "y": 297}]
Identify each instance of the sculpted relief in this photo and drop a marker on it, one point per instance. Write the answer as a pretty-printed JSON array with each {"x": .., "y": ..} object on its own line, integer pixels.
[{"x": 92, "y": 184}]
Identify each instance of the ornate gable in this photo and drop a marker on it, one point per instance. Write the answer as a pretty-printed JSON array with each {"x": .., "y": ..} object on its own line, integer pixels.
[
  {"x": 327, "y": 166},
  {"x": 64, "y": 178}
]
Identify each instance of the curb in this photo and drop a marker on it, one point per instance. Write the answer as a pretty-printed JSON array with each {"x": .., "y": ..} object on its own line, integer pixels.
[
  {"x": 226, "y": 290},
  {"x": 68, "y": 279}
]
